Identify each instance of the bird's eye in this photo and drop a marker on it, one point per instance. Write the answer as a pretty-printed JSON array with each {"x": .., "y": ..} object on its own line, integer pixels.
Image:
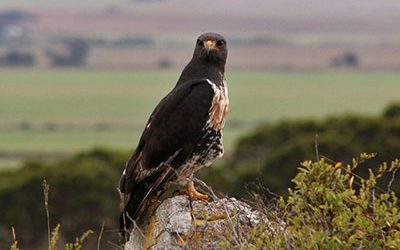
[
  {"x": 200, "y": 42},
  {"x": 220, "y": 43}
]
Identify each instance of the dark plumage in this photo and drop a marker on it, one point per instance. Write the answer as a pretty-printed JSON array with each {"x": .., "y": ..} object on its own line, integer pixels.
[{"x": 183, "y": 133}]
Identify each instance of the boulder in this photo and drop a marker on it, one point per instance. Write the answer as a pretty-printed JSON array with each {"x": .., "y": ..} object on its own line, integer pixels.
[{"x": 182, "y": 223}]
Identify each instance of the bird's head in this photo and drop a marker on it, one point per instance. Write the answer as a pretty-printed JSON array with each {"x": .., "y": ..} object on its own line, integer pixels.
[{"x": 211, "y": 48}]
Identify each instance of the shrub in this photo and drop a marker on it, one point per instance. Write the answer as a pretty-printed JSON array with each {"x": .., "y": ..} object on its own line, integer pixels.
[
  {"x": 348, "y": 59},
  {"x": 17, "y": 58},
  {"x": 78, "y": 51},
  {"x": 392, "y": 111},
  {"x": 330, "y": 207}
]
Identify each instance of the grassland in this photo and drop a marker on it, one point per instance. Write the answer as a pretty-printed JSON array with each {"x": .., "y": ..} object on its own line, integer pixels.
[{"x": 69, "y": 110}]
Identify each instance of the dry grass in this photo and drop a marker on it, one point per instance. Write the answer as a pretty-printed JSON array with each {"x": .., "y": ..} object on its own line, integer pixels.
[
  {"x": 54, "y": 235},
  {"x": 46, "y": 189}
]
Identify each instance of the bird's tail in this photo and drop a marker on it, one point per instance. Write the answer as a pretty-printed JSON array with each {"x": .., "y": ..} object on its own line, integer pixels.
[
  {"x": 133, "y": 211},
  {"x": 138, "y": 204}
]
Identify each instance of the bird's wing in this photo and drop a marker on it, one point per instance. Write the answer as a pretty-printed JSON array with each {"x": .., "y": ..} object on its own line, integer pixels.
[{"x": 173, "y": 130}]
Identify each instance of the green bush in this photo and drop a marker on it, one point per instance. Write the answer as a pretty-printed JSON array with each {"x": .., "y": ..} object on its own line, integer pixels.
[
  {"x": 325, "y": 210},
  {"x": 392, "y": 111},
  {"x": 82, "y": 196}
]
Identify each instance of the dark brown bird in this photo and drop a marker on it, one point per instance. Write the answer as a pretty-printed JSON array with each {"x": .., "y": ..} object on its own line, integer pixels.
[{"x": 184, "y": 132}]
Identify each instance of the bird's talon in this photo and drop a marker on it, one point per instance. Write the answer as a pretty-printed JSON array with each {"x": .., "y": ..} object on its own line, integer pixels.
[
  {"x": 193, "y": 193},
  {"x": 198, "y": 196}
]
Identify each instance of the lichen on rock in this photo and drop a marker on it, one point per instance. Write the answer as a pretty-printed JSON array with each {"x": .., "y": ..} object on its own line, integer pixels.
[{"x": 182, "y": 223}]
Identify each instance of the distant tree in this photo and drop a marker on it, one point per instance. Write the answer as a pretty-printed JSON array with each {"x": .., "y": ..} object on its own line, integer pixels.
[
  {"x": 348, "y": 59},
  {"x": 17, "y": 58},
  {"x": 392, "y": 111},
  {"x": 164, "y": 63},
  {"x": 14, "y": 16},
  {"x": 77, "y": 53},
  {"x": 133, "y": 41}
]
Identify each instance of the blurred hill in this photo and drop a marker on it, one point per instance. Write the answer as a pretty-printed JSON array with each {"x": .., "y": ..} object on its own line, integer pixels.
[
  {"x": 232, "y": 16},
  {"x": 288, "y": 33}
]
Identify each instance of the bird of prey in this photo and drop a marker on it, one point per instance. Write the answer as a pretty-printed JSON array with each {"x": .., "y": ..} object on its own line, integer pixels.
[{"x": 184, "y": 132}]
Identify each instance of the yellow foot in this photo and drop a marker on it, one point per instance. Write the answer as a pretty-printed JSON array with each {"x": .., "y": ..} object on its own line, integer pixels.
[{"x": 192, "y": 192}]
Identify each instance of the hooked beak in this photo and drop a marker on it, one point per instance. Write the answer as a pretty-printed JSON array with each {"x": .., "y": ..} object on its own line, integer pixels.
[{"x": 209, "y": 45}]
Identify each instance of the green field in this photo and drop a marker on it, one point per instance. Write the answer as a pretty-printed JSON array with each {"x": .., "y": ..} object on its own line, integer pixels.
[{"x": 85, "y": 108}]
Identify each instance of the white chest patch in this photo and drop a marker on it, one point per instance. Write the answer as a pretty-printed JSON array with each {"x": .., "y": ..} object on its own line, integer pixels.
[{"x": 219, "y": 106}]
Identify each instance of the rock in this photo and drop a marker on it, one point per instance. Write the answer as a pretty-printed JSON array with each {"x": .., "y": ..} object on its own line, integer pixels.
[{"x": 179, "y": 223}]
